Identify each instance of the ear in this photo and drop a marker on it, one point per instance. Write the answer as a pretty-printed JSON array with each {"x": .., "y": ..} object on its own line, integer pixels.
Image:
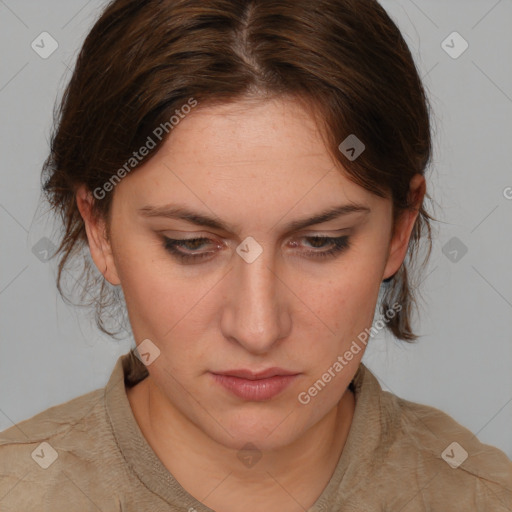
[
  {"x": 99, "y": 245},
  {"x": 400, "y": 240}
]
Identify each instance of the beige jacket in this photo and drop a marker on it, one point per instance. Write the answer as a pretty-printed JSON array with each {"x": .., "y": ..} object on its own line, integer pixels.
[{"x": 88, "y": 454}]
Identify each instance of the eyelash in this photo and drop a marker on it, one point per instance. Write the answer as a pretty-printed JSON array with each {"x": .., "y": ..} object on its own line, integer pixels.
[{"x": 340, "y": 244}]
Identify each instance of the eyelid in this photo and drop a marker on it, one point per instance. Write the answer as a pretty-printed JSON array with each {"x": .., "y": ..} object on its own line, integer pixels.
[
  {"x": 324, "y": 232},
  {"x": 191, "y": 235}
]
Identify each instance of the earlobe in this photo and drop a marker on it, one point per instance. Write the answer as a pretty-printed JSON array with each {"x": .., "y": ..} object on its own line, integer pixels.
[{"x": 99, "y": 245}]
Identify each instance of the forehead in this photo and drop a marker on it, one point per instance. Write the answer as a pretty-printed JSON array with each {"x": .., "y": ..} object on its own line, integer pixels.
[
  {"x": 259, "y": 155},
  {"x": 249, "y": 133}
]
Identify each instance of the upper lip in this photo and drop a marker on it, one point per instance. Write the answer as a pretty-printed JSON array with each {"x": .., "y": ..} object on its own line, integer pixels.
[{"x": 251, "y": 375}]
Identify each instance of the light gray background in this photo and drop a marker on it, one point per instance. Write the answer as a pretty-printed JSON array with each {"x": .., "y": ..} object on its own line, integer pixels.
[{"x": 51, "y": 352}]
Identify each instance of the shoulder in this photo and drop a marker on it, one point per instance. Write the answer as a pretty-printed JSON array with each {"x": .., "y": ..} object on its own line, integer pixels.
[
  {"x": 62, "y": 421},
  {"x": 43, "y": 456},
  {"x": 445, "y": 460}
]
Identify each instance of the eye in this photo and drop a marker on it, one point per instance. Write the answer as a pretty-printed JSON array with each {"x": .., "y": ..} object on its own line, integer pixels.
[
  {"x": 336, "y": 245},
  {"x": 175, "y": 246},
  {"x": 187, "y": 250}
]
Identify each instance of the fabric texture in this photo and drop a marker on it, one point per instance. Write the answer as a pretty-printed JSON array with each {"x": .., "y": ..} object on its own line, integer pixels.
[{"x": 97, "y": 459}]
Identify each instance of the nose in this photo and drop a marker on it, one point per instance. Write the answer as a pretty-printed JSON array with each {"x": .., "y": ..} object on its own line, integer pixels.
[{"x": 255, "y": 315}]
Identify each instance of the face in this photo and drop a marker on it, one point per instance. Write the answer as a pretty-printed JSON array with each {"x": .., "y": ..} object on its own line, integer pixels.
[{"x": 292, "y": 296}]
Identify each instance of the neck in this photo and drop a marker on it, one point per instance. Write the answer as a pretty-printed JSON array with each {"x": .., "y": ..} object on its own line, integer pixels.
[{"x": 213, "y": 474}]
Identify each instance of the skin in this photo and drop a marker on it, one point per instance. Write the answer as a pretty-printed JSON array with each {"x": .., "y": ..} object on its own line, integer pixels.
[{"x": 256, "y": 166}]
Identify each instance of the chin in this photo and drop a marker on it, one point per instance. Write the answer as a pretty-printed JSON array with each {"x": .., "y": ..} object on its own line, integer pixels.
[{"x": 265, "y": 432}]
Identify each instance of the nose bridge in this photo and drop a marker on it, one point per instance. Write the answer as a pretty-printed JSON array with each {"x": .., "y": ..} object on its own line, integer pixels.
[{"x": 256, "y": 316}]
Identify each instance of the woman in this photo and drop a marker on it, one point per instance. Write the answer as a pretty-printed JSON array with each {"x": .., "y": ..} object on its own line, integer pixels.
[{"x": 248, "y": 174}]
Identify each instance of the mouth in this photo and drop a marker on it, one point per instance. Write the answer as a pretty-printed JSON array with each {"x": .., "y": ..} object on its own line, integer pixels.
[
  {"x": 255, "y": 387},
  {"x": 251, "y": 375}
]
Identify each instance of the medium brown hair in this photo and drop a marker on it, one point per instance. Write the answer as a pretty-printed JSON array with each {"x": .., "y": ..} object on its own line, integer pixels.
[{"x": 345, "y": 60}]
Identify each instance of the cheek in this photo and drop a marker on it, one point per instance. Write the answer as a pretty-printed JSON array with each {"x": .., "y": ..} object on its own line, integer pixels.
[
  {"x": 157, "y": 297},
  {"x": 347, "y": 301},
  {"x": 166, "y": 302}
]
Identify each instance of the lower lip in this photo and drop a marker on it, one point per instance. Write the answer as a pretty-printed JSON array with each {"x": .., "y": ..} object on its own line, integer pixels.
[{"x": 255, "y": 390}]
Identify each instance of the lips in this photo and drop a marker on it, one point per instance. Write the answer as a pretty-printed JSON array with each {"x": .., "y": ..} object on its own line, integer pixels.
[
  {"x": 252, "y": 375},
  {"x": 251, "y": 385}
]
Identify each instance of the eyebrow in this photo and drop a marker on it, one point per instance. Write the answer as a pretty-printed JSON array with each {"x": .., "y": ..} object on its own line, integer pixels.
[{"x": 180, "y": 212}]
